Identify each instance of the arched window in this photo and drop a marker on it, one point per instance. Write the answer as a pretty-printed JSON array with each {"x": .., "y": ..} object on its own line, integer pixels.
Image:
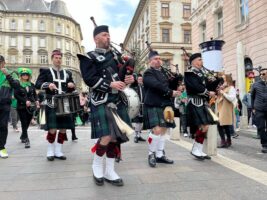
[
  {"x": 42, "y": 26},
  {"x": 27, "y": 25},
  {"x": 13, "y": 24},
  {"x": 58, "y": 28}
]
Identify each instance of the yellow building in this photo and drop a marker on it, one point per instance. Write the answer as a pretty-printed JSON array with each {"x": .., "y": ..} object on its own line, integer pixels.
[
  {"x": 31, "y": 29},
  {"x": 166, "y": 25}
]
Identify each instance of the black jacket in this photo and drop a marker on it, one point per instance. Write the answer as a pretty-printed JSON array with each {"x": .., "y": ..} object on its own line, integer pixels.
[
  {"x": 156, "y": 86},
  {"x": 45, "y": 78},
  {"x": 259, "y": 96},
  {"x": 22, "y": 95}
]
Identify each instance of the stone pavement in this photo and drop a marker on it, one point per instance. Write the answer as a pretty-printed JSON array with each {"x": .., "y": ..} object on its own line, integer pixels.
[{"x": 26, "y": 174}]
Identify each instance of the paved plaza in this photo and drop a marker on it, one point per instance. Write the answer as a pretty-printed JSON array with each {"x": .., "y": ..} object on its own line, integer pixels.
[{"x": 26, "y": 174}]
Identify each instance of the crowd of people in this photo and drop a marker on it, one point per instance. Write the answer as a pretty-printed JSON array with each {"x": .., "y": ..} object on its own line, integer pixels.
[{"x": 108, "y": 75}]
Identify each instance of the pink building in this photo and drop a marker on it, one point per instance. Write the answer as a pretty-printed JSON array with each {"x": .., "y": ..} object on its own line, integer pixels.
[{"x": 242, "y": 24}]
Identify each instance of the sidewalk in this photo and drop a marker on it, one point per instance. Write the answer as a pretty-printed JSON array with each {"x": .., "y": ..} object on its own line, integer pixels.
[{"x": 28, "y": 175}]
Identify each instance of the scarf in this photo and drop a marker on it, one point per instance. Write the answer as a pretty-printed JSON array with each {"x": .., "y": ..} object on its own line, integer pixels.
[
  {"x": 25, "y": 84},
  {"x": 2, "y": 78}
]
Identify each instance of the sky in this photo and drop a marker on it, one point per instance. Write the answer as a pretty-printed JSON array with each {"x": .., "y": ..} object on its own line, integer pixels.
[{"x": 117, "y": 14}]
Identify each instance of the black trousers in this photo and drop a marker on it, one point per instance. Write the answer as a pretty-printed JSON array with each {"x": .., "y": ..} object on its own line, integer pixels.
[
  {"x": 225, "y": 130},
  {"x": 251, "y": 115},
  {"x": 4, "y": 116},
  {"x": 261, "y": 118},
  {"x": 25, "y": 118},
  {"x": 183, "y": 122}
]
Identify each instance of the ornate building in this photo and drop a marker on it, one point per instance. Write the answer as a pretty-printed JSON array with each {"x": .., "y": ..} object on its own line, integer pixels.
[
  {"x": 31, "y": 29},
  {"x": 166, "y": 25},
  {"x": 242, "y": 24}
]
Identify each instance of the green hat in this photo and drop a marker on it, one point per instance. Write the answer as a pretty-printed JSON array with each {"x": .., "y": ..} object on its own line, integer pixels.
[{"x": 24, "y": 70}]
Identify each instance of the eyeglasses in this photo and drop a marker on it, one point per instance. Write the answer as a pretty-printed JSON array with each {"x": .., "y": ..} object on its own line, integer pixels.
[{"x": 262, "y": 74}]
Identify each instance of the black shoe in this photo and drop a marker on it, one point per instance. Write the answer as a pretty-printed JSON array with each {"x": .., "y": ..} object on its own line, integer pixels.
[
  {"x": 27, "y": 143},
  {"x": 235, "y": 135},
  {"x": 207, "y": 157},
  {"x": 61, "y": 157},
  {"x": 264, "y": 150},
  {"x": 165, "y": 160},
  {"x": 198, "y": 157},
  {"x": 136, "y": 139},
  {"x": 50, "y": 158},
  {"x": 117, "y": 182},
  {"x": 152, "y": 160},
  {"x": 141, "y": 139},
  {"x": 74, "y": 138},
  {"x": 23, "y": 140},
  {"x": 99, "y": 181}
]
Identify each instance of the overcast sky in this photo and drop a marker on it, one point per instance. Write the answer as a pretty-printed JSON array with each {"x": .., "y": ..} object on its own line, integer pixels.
[{"x": 117, "y": 14}]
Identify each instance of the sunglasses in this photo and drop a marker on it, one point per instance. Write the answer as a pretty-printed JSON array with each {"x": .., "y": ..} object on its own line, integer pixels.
[
  {"x": 262, "y": 74},
  {"x": 24, "y": 74}
]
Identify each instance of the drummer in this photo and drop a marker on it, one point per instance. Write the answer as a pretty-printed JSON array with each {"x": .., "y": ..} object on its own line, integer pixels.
[{"x": 55, "y": 80}]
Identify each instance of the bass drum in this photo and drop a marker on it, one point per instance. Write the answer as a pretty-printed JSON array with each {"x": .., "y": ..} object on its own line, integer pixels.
[{"x": 131, "y": 99}]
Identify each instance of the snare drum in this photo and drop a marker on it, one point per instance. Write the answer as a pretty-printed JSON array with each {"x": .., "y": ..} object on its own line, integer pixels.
[
  {"x": 67, "y": 104},
  {"x": 131, "y": 99}
]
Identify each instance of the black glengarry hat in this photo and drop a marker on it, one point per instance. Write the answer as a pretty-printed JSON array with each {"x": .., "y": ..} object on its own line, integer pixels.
[
  {"x": 152, "y": 54},
  {"x": 100, "y": 29},
  {"x": 194, "y": 56}
]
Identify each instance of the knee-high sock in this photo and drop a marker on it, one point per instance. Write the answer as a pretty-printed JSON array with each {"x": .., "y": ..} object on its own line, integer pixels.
[
  {"x": 61, "y": 137},
  {"x": 51, "y": 137},
  {"x": 153, "y": 141},
  {"x": 200, "y": 136},
  {"x": 161, "y": 146}
]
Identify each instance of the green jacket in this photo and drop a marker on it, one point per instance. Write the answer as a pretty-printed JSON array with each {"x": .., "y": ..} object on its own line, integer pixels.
[{"x": 7, "y": 83}]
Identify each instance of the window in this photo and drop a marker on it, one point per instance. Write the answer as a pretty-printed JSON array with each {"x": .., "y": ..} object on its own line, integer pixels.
[
  {"x": 43, "y": 59},
  {"x": 219, "y": 23},
  {"x": 203, "y": 32},
  {"x": 165, "y": 10},
  {"x": 58, "y": 44},
  {"x": 13, "y": 25},
  {"x": 58, "y": 28},
  {"x": 13, "y": 41},
  {"x": 28, "y": 59},
  {"x": 243, "y": 11},
  {"x": 67, "y": 61},
  {"x": 147, "y": 16},
  {"x": 186, "y": 10},
  {"x": 27, "y": 25},
  {"x": 187, "y": 36},
  {"x": 42, "y": 26},
  {"x": 67, "y": 46},
  {"x": 166, "y": 63},
  {"x": 27, "y": 42},
  {"x": 165, "y": 35},
  {"x": 13, "y": 59},
  {"x": 42, "y": 42},
  {"x": 67, "y": 30}
]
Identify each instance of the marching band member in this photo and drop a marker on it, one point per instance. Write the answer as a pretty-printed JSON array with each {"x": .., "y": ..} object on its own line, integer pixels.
[
  {"x": 26, "y": 102},
  {"x": 100, "y": 71},
  {"x": 138, "y": 120},
  {"x": 158, "y": 96},
  {"x": 8, "y": 81},
  {"x": 55, "y": 80},
  {"x": 198, "y": 88}
]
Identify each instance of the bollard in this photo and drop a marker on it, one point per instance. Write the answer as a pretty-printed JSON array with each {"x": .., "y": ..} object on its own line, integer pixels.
[
  {"x": 210, "y": 143},
  {"x": 175, "y": 132}
]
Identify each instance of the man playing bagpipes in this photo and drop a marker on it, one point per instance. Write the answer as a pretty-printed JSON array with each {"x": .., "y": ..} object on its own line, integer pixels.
[
  {"x": 55, "y": 80},
  {"x": 27, "y": 102},
  {"x": 158, "y": 112},
  {"x": 100, "y": 70},
  {"x": 199, "y": 88}
]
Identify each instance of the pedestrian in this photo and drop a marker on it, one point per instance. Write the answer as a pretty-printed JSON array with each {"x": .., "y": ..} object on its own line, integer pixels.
[
  {"x": 226, "y": 102},
  {"x": 158, "y": 100},
  {"x": 100, "y": 71},
  {"x": 259, "y": 107},
  {"x": 250, "y": 115},
  {"x": 55, "y": 80},
  {"x": 8, "y": 81},
  {"x": 27, "y": 102},
  {"x": 14, "y": 114},
  {"x": 199, "y": 88},
  {"x": 238, "y": 113}
]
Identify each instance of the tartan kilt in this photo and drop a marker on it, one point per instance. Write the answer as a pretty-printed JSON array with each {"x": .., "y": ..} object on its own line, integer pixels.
[
  {"x": 198, "y": 115},
  {"x": 153, "y": 116},
  {"x": 57, "y": 122},
  {"x": 100, "y": 122}
]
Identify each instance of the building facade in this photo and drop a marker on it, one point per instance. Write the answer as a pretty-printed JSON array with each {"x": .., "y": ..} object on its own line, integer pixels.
[
  {"x": 242, "y": 24},
  {"x": 166, "y": 26},
  {"x": 31, "y": 29}
]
